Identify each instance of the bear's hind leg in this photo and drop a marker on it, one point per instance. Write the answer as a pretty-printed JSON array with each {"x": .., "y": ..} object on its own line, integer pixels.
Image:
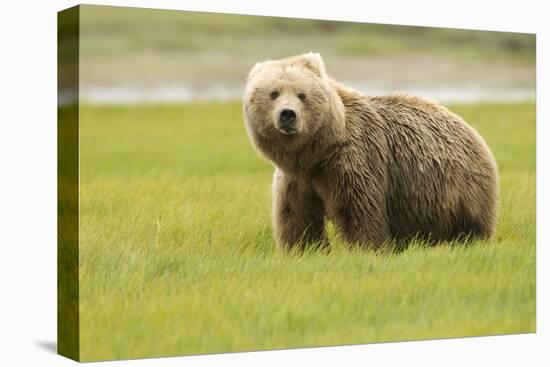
[{"x": 474, "y": 225}]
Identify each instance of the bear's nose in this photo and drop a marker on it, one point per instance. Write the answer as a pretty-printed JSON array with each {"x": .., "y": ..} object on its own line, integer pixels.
[{"x": 287, "y": 117}]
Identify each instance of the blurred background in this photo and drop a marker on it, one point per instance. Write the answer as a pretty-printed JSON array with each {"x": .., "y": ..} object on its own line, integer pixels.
[{"x": 132, "y": 55}]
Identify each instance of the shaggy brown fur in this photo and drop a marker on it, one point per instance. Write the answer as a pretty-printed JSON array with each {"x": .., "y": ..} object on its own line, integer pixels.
[{"x": 382, "y": 168}]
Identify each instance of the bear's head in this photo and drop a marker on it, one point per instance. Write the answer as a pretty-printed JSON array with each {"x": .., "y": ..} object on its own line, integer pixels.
[{"x": 290, "y": 104}]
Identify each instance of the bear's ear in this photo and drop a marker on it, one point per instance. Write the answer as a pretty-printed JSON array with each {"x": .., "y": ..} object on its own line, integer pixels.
[
  {"x": 314, "y": 62},
  {"x": 255, "y": 70}
]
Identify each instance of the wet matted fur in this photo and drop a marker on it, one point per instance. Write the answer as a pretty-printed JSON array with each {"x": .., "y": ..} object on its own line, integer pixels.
[{"x": 382, "y": 168}]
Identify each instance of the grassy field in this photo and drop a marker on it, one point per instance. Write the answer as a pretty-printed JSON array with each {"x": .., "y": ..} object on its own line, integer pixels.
[{"x": 177, "y": 255}]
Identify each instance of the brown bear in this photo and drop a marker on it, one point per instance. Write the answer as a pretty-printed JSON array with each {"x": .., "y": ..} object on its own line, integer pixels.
[{"x": 384, "y": 169}]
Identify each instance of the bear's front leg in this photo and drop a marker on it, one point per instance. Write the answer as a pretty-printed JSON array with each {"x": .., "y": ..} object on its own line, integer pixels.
[
  {"x": 361, "y": 214},
  {"x": 298, "y": 213},
  {"x": 364, "y": 227}
]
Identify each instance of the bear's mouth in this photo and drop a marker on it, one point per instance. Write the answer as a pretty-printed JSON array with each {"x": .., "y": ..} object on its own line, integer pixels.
[{"x": 287, "y": 130}]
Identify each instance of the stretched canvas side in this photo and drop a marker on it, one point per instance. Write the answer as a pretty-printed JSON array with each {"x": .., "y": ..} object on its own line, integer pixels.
[{"x": 67, "y": 184}]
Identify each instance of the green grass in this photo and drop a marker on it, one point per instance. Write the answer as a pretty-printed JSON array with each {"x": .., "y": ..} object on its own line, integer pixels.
[{"x": 177, "y": 255}]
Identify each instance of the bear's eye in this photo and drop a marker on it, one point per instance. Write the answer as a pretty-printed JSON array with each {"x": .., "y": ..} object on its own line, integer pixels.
[
  {"x": 302, "y": 96},
  {"x": 274, "y": 94}
]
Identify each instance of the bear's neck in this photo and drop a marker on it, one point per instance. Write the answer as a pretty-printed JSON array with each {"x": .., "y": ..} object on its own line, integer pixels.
[{"x": 307, "y": 158}]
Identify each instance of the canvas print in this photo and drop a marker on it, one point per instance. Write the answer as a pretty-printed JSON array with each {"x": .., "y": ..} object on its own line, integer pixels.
[{"x": 238, "y": 183}]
